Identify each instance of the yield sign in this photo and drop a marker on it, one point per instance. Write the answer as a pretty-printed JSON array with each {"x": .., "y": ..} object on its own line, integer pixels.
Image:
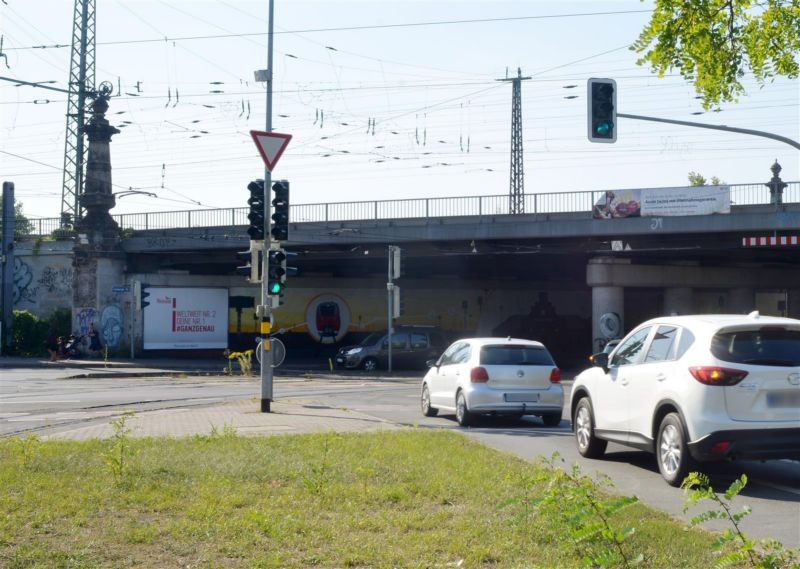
[{"x": 270, "y": 145}]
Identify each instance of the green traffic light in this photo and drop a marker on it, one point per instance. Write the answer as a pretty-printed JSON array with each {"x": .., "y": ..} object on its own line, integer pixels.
[
  {"x": 275, "y": 288},
  {"x": 603, "y": 128}
]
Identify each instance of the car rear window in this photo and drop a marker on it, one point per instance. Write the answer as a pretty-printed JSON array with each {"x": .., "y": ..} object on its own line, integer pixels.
[
  {"x": 768, "y": 345},
  {"x": 515, "y": 355}
]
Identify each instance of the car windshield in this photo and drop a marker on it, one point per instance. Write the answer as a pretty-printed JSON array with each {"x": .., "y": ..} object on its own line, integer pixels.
[
  {"x": 515, "y": 355},
  {"x": 768, "y": 345},
  {"x": 372, "y": 339}
]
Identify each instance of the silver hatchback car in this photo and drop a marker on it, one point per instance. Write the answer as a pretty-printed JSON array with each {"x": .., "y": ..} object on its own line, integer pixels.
[{"x": 494, "y": 376}]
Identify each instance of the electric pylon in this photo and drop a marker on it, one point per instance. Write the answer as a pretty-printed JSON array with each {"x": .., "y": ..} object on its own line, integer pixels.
[
  {"x": 516, "y": 192},
  {"x": 81, "y": 84}
]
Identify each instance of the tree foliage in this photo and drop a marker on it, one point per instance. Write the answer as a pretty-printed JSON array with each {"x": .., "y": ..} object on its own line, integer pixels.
[
  {"x": 697, "y": 179},
  {"x": 714, "y": 43},
  {"x": 22, "y": 226}
]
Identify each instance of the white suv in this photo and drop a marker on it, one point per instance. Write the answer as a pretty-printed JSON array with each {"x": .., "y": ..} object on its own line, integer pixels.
[{"x": 695, "y": 388}]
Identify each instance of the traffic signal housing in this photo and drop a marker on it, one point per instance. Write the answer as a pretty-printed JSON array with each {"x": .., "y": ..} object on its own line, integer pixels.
[
  {"x": 602, "y": 111},
  {"x": 252, "y": 258},
  {"x": 140, "y": 294},
  {"x": 276, "y": 276},
  {"x": 257, "y": 210},
  {"x": 280, "y": 211}
]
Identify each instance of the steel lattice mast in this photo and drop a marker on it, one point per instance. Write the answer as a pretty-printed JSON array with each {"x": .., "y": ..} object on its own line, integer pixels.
[
  {"x": 516, "y": 192},
  {"x": 81, "y": 83}
]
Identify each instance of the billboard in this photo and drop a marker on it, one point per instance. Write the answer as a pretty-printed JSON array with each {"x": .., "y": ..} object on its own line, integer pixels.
[
  {"x": 186, "y": 318},
  {"x": 694, "y": 200}
]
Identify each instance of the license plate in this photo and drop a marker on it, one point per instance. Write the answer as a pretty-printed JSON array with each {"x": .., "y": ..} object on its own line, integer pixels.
[
  {"x": 522, "y": 397},
  {"x": 784, "y": 399},
  {"x": 339, "y": 360}
]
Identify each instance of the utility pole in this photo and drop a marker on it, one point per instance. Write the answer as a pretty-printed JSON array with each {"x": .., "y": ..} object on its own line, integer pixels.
[
  {"x": 516, "y": 192},
  {"x": 266, "y": 310},
  {"x": 7, "y": 257},
  {"x": 81, "y": 85}
]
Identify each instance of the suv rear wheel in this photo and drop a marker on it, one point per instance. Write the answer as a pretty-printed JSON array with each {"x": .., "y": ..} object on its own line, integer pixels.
[
  {"x": 583, "y": 422},
  {"x": 672, "y": 454}
]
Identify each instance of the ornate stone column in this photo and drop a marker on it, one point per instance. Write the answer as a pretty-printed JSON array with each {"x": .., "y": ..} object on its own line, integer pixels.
[{"x": 98, "y": 261}]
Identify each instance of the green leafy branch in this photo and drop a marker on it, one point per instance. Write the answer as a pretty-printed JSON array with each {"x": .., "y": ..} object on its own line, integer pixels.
[{"x": 765, "y": 554}]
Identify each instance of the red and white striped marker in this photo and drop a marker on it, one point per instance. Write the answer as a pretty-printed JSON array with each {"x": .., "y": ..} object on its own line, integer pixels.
[{"x": 774, "y": 241}]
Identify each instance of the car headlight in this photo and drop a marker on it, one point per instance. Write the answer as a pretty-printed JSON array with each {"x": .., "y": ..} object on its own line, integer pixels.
[{"x": 353, "y": 352}]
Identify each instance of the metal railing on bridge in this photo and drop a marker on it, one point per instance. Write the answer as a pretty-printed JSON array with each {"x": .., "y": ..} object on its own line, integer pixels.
[{"x": 558, "y": 202}]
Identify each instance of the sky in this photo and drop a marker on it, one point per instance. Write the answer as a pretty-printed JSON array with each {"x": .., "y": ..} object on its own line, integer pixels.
[{"x": 385, "y": 100}]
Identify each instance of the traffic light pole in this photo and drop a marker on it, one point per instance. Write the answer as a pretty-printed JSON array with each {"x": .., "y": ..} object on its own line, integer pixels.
[
  {"x": 788, "y": 141},
  {"x": 266, "y": 311}
]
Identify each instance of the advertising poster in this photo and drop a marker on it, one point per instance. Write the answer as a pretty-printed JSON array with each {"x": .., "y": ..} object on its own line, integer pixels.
[
  {"x": 186, "y": 318},
  {"x": 656, "y": 202}
]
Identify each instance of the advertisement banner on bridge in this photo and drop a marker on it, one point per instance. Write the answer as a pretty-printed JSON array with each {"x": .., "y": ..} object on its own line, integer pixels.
[
  {"x": 186, "y": 318},
  {"x": 657, "y": 202}
]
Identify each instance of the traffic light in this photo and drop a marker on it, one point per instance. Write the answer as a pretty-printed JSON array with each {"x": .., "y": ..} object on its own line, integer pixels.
[
  {"x": 256, "y": 215},
  {"x": 140, "y": 294},
  {"x": 276, "y": 276},
  {"x": 602, "y": 112},
  {"x": 280, "y": 211},
  {"x": 252, "y": 267}
]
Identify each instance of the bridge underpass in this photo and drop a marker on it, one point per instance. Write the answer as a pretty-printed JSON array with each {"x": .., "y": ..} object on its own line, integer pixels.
[
  {"x": 553, "y": 273},
  {"x": 538, "y": 286}
]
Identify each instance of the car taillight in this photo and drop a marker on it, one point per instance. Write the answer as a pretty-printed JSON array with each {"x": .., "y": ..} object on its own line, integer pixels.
[
  {"x": 555, "y": 375},
  {"x": 712, "y": 375},
  {"x": 478, "y": 375}
]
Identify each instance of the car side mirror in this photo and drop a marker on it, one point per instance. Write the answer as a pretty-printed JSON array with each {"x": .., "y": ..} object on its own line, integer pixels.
[
  {"x": 432, "y": 363},
  {"x": 600, "y": 360}
]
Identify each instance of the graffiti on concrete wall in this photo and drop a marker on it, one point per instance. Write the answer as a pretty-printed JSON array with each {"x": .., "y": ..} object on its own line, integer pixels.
[
  {"x": 57, "y": 281},
  {"x": 83, "y": 318},
  {"x": 23, "y": 279},
  {"x": 111, "y": 325}
]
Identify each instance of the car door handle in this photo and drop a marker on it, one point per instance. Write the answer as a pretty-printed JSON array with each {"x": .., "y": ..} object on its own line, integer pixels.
[
  {"x": 661, "y": 377},
  {"x": 623, "y": 381}
]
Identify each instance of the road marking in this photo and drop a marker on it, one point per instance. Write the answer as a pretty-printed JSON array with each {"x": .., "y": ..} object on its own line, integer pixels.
[
  {"x": 779, "y": 487},
  {"x": 40, "y": 401},
  {"x": 9, "y": 415}
]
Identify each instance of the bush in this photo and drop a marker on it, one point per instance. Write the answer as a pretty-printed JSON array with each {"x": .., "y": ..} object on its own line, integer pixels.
[{"x": 29, "y": 334}]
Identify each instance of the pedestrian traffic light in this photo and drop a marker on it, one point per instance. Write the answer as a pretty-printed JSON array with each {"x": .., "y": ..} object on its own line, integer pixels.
[
  {"x": 252, "y": 258},
  {"x": 256, "y": 215},
  {"x": 602, "y": 111},
  {"x": 280, "y": 211},
  {"x": 276, "y": 276},
  {"x": 140, "y": 294}
]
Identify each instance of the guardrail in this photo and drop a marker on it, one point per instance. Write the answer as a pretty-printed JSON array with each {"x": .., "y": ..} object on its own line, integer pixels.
[{"x": 558, "y": 202}]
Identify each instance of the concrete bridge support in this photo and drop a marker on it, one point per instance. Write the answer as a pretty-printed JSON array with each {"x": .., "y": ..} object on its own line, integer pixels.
[
  {"x": 678, "y": 300},
  {"x": 742, "y": 300}
]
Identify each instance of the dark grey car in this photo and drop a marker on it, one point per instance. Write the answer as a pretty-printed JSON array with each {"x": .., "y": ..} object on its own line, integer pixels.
[{"x": 412, "y": 346}]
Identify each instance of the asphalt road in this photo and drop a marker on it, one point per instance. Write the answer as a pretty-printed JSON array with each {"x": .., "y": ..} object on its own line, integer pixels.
[{"x": 44, "y": 404}]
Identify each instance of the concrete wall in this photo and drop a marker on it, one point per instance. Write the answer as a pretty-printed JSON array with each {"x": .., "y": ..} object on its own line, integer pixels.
[{"x": 43, "y": 276}]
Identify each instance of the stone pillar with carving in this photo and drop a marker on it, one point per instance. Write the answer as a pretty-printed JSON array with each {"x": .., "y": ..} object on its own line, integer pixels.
[
  {"x": 98, "y": 261},
  {"x": 776, "y": 185}
]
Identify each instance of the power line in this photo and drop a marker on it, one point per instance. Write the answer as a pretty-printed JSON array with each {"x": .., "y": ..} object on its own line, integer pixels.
[{"x": 354, "y": 28}]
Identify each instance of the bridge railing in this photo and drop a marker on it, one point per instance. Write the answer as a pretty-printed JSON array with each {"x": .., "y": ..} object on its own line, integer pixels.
[{"x": 557, "y": 202}]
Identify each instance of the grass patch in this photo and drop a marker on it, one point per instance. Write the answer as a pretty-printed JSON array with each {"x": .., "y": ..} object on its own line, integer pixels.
[{"x": 394, "y": 499}]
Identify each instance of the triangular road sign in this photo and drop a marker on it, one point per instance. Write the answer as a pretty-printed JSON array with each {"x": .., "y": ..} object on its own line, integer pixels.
[{"x": 270, "y": 145}]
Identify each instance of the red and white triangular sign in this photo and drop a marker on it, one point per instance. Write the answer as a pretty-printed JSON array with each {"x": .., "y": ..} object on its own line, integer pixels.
[{"x": 270, "y": 145}]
